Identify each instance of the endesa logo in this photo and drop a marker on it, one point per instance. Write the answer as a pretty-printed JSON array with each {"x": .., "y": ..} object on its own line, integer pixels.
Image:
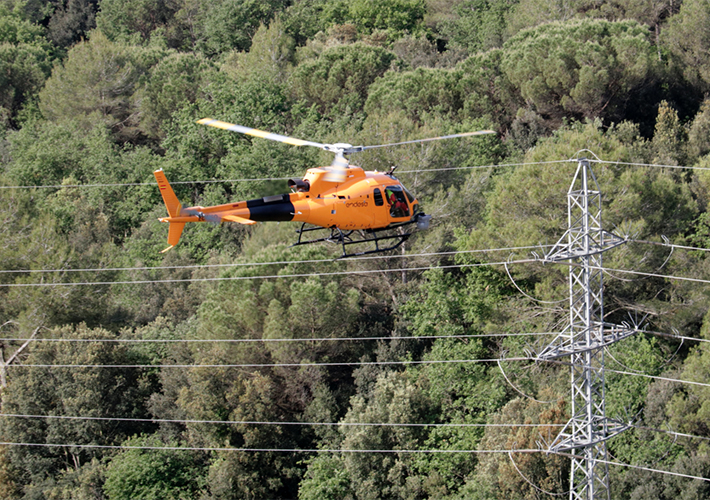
[{"x": 356, "y": 204}]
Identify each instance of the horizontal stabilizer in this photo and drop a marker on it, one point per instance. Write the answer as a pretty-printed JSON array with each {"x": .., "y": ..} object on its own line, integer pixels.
[{"x": 240, "y": 220}]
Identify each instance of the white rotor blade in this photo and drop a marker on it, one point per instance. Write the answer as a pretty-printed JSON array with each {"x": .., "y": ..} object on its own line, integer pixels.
[
  {"x": 452, "y": 136},
  {"x": 259, "y": 133}
]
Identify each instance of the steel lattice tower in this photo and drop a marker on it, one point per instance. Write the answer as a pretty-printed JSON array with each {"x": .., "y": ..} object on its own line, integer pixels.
[{"x": 584, "y": 339}]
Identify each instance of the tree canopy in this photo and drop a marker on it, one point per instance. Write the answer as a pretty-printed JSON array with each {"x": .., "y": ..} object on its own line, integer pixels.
[{"x": 239, "y": 366}]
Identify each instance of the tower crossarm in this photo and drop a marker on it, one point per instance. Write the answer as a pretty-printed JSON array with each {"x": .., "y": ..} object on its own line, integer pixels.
[
  {"x": 573, "y": 250},
  {"x": 568, "y": 440},
  {"x": 567, "y": 345}
]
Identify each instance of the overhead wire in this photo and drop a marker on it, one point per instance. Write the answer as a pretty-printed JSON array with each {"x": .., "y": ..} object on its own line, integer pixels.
[
  {"x": 312, "y": 261},
  {"x": 657, "y": 459},
  {"x": 134, "y": 184},
  {"x": 267, "y": 340},
  {"x": 474, "y": 167},
  {"x": 657, "y": 377},
  {"x": 266, "y": 423},
  {"x": 272, "y": 276},
  {"x": 674, "y": 336},
  {"x": 655, "y": 165},
  {"x": 516, "y": 389},
  {"x": 323, "y": 450},
  {"x": 608, "y": 352},
  {"x": 639, "y": 467},
  {"x": 343, "y": 363},
  {"x": 533, "y": 485},
  {"x": 390, "y": 338},
  {"x": 335, "y": 273},
  {"x": 672, "y": 245},
  {"x": 324, "y": 424},
  {"x": 649, "y": 469},
  {"x": 654, "y": 275},
  {"x": 512, "y": 280},
  {"x": 266, "y": 450},
  {"x": 658, "y": 269},
  {"x": 264, "y": 179},
  {"x": 267, "y": 365},
  {"x": 278, "y": 262},
  {"x": 669, "y": 432},
  {"x": 621, "y": 372}
]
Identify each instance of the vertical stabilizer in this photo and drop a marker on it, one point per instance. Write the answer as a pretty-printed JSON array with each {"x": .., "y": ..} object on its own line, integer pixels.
[
  {"x": 174, "y": 234},
  {"x": 171, "y": 201},
  {"x": 174, "y": 207}
]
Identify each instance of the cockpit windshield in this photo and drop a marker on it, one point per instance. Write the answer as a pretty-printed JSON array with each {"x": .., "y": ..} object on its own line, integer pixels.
[
  {"x": 397, "y": 201},
  {"x": 409, "y": 195}
]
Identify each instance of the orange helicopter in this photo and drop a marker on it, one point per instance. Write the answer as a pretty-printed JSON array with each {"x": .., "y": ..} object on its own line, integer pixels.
[{"x": 355, "y": 206}]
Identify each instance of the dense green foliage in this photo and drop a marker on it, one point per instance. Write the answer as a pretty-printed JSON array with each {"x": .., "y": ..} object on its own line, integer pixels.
[{"x": 97, "y": 94}]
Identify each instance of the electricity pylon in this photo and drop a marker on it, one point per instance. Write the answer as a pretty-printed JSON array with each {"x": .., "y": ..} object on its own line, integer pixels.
[{"x": 585, "y": 435}]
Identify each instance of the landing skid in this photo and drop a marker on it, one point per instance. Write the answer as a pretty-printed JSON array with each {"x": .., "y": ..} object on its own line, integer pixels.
[{"x": 362, "y": 237}]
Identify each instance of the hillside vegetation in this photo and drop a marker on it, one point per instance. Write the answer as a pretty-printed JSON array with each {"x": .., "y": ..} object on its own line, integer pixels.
[{"x": 97, "y": 94}]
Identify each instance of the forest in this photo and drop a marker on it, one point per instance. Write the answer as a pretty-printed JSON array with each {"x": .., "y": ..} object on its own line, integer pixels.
[{"x": 236, "y": 366}]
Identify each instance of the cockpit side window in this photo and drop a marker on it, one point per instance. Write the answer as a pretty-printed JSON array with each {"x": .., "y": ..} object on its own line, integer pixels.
[
  {"x": 397, "y": 201},
  {"x": 379, "y": 201}
]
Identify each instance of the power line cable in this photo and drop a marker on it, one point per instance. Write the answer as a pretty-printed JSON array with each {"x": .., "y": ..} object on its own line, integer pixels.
[
  {"x": 321, "y": 450},
  {"x": 649, "y": 469},
  {"x": 251, "y": 422},
  {"x": 631, "y": 164},
  {"x": 263, "y": 179},
  {"x": 500, "y": 367},
  {"x": 266, "y": 340},
  {"x": 639, "y": 467},
  {"x": 135, "y": 184},
  {"x": 343, "y": 363},
  {"x": 474, "y": 167},
  {"x": 657, "y": 270},
  {"x": 269, "y": 365},
  {"x": 533, "y": 485},
  {"x": 336, "y": 273},
  {"x": 273, "y": 450},
  {"x": 325, "y": 424},
  {"x": 334, "y": 424},
  {"x": 549, "y": 302},
  {"x": 657, "y": 377},
  {"x": 278, "y": 262},
  {"x": 273, "y": 276},
  {"x": 671, "y": 433},
  {"x": 673, "y": 336},
  {"x": 672, "y": 245},
  {"x": 414, "y": 171},
  {"x": 621, "y": 372},
  {"x": 654, "y": 275}
]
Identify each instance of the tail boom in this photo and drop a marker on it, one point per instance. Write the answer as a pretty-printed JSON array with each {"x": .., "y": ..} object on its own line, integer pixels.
[{"x": 246, "y": 212}]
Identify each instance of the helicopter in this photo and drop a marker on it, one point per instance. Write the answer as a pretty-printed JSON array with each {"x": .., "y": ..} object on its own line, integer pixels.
[{"x": 353, "y": 206}]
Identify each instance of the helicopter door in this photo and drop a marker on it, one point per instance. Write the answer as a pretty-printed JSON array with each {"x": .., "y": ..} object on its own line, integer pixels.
[
  {"x": 397, "y": 202},
  {"x": 381, "y": 208}
]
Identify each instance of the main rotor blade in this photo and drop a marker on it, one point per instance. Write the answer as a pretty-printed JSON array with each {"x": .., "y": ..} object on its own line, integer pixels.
[
  {"x": 258, "y": 133},
  {"x": 416, "y": 141}
]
